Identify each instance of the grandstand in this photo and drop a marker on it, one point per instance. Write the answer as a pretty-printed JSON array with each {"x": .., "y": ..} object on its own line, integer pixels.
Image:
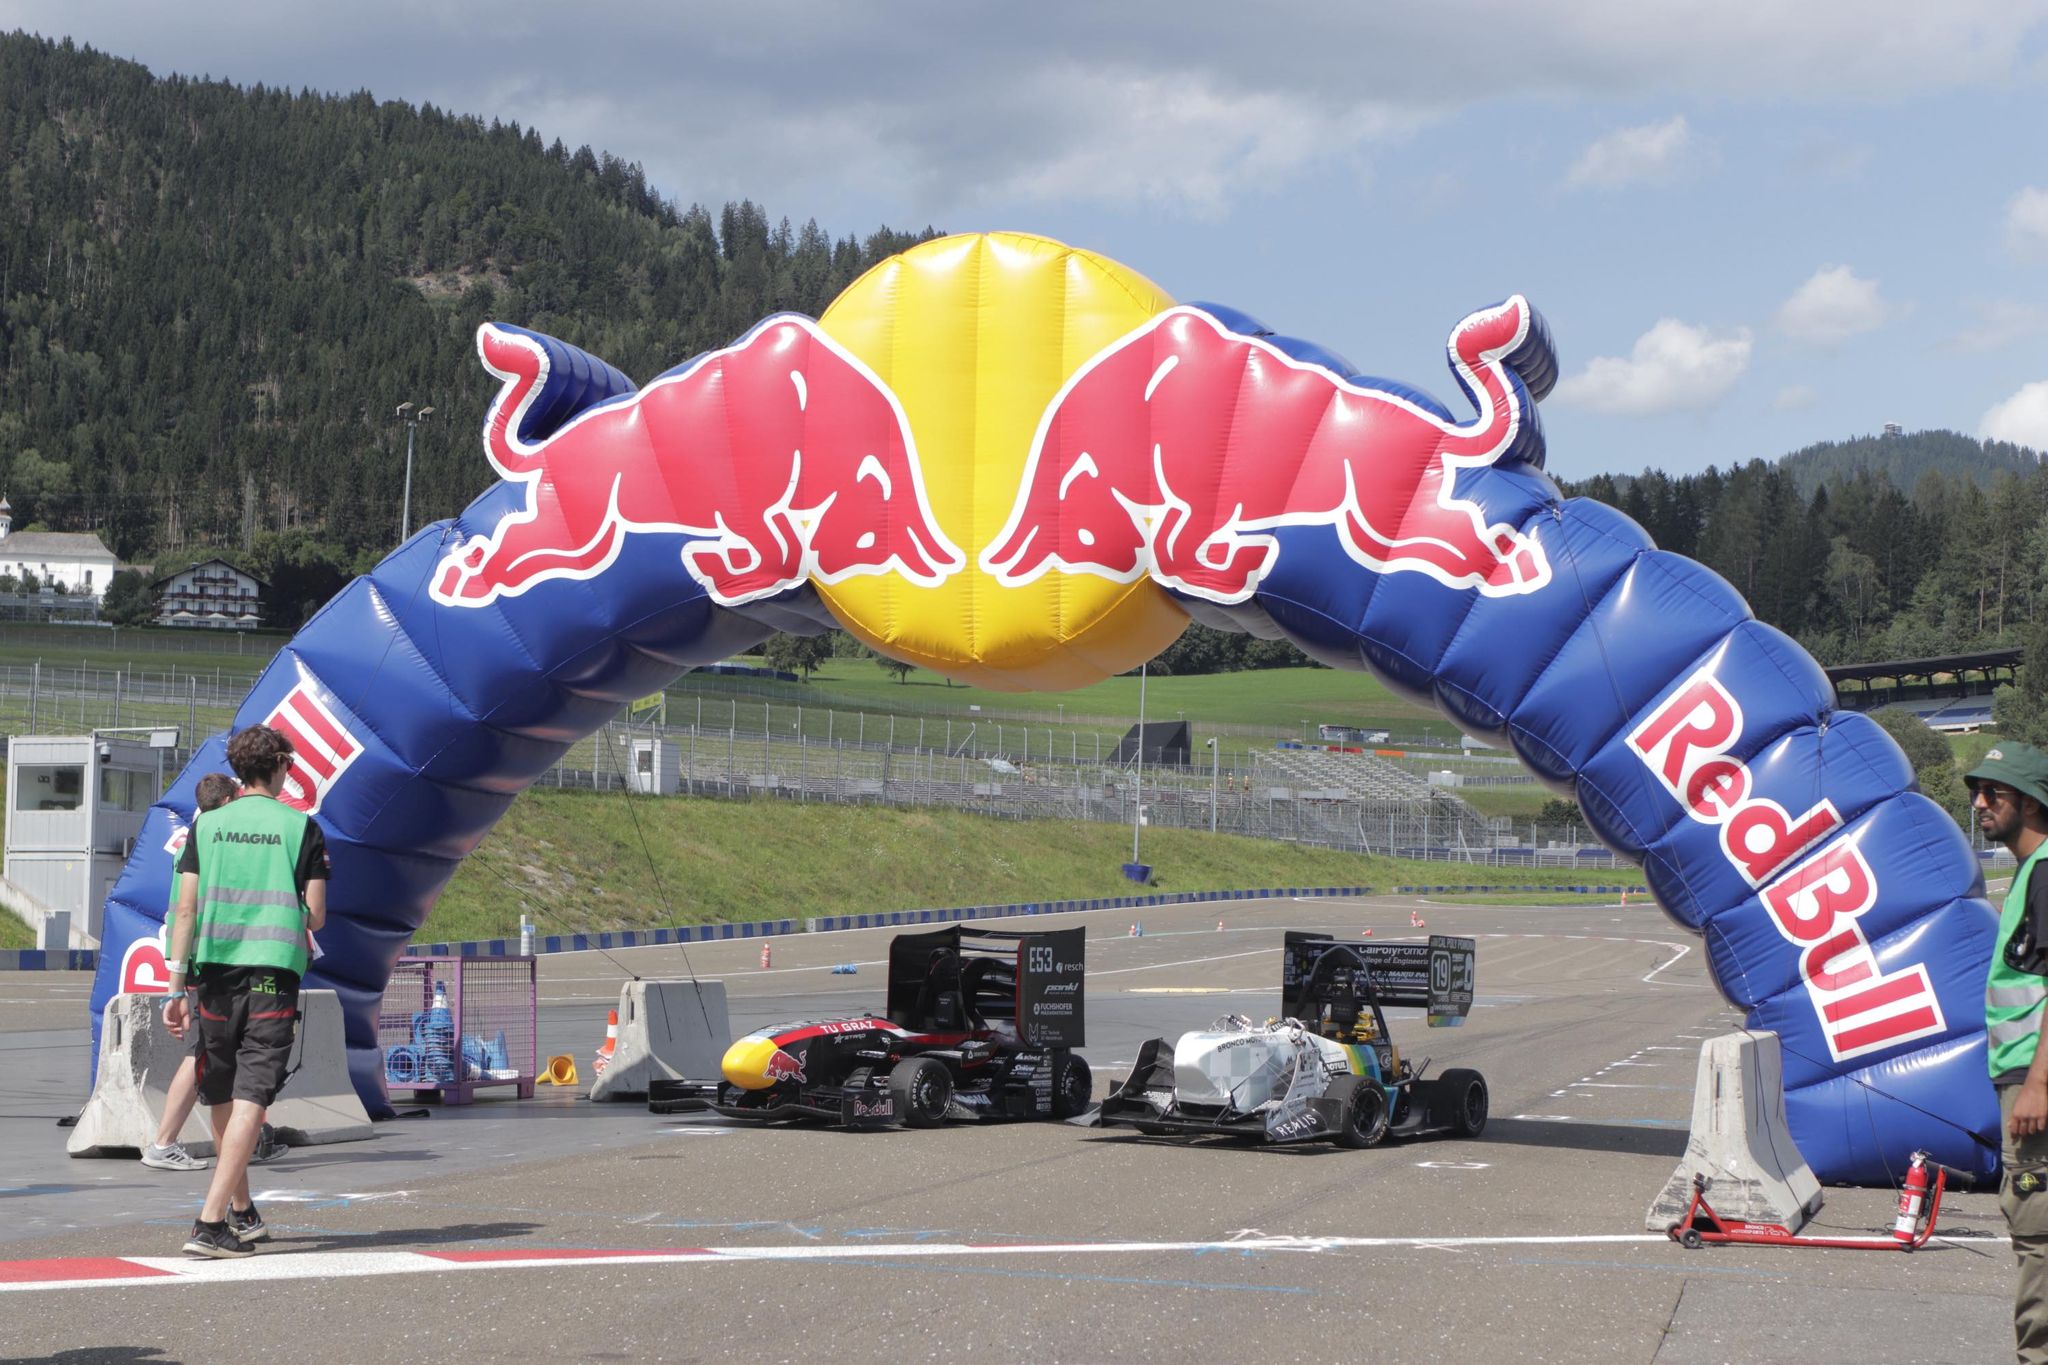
[
  {"x": 1941, "y": 691},
  {"x": 1341, "y": 776}
]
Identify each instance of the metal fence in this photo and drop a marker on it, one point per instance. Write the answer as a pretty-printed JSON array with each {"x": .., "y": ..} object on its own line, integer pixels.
[
  {"x": 1007, "y": 769},
  {"x": 1258, "y": 798}
]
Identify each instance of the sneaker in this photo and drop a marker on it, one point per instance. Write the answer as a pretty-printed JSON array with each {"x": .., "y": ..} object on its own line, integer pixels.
[
  {"x": 248, "y": 1225},
  {"x": 217, "y": 1240},
  {"x": 268, "y": 1147},
  {"x": 173, "y": 1158}
]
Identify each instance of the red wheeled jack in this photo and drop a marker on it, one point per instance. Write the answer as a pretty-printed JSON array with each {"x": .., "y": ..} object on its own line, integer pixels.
[{"x": 1702, "y": 1225}]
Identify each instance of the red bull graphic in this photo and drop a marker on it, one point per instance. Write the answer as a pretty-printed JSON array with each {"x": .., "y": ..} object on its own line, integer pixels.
[
  {"x": 1814, "y": 904},
  {"x": 1117, "y": 462},
  {"x": 322, "y": 748},
  {"x": 781, "y": 459},
  {"x": 1129, "y": 472}
]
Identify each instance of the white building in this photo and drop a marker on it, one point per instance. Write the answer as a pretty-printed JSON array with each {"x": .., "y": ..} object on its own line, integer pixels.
[
  {"x": 75, "y": 804},
  {"x": 215, "y": 594},
  {"x": 76, "y": 559}
]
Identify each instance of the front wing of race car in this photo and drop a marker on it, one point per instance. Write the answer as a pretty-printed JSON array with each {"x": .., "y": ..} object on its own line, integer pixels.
[
  {"x": 1148, "y": 1102},
  {"x": 854, "y": 1105}
]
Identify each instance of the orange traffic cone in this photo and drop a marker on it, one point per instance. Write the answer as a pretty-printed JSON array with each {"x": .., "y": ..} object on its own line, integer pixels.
[
  {"x": 1368, "y": 933},
  {"x": 610, "y": 1045},
  {"x": 1219, "y": 926},
  {"x": 767, "y": 957}
]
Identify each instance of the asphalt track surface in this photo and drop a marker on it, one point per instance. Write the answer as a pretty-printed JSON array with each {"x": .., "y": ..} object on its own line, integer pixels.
[{"x": 555, "y": 1230}]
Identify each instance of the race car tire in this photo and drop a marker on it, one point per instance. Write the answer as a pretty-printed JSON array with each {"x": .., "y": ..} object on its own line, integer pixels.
[
  {"x": 1465, "y": 1095},
  {"x": 1073, "y": 1086},
  {"x": 1365, "y": 1111},
  {"x": 923, "y": 1090}
]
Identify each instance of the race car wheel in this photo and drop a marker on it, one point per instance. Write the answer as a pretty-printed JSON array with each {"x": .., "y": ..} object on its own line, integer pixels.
[
  {"x": 1073, "y": 1086},
  {"x": 1466, "y": 1093},
  {"x": 923, "y": 1089},
  {"x": 1365, "y": 1111}
]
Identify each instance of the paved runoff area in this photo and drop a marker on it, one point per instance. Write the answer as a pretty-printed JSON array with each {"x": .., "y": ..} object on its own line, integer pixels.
[{"x": 552, "y": 1229}]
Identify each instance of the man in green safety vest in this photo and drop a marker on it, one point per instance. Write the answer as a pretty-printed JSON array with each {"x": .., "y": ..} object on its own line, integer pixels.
[
  {"x": 2009, "y": 795},
  {"x": 251, "y": 882}
]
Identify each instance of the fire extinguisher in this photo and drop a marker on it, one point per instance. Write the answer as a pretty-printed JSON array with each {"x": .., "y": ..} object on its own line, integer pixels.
[{"x": 1912, "y": 1198}]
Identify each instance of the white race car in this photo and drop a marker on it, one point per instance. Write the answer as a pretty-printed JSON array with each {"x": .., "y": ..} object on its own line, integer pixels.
[{"x": 1327, "y": 1070}]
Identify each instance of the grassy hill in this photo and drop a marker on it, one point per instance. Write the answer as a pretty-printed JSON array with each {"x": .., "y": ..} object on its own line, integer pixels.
[{"x": 580, "y": 860}]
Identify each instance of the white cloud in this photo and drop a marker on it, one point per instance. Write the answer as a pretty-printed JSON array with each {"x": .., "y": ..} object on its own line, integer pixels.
[
  {"x": 2000, "y": 323},
  {"x": 1795, "y": 398},
  {"x": 1833, "y": 305},
  {"x": 1673, "y": 367},
  {"x": 933, "y": 109},
  {"x": 2021, "y": 419},
  {"x": 1650, "y": 152},
  {"x": 2026, "y": 224}
]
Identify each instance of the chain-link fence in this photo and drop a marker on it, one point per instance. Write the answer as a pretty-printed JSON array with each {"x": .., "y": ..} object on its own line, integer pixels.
[{"x": 1267, "y": 797}]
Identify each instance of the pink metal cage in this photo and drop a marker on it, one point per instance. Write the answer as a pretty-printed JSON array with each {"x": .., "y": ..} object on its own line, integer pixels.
[{"x": 489, "y": 1037}]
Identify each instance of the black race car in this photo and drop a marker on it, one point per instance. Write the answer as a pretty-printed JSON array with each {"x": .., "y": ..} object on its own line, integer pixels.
[
  {"x": 1328, "y": 1068},
  {"x": 979, "y": 1024}
]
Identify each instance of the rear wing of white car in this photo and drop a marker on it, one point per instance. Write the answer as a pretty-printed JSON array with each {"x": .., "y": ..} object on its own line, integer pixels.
[{"x": 1319, "y": 973}]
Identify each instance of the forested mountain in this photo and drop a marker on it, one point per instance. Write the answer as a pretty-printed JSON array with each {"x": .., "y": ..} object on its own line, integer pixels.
[
  {"x": 1903, "y": 458},
  {"x": 212, "y": 299},
  {"x": 1859, "y": 569}
]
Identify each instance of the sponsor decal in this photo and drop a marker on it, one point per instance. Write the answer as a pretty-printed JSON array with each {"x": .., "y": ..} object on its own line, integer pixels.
[
  {"x": 1813, "y": 901},
  {"x": 781, "y": 1066}
]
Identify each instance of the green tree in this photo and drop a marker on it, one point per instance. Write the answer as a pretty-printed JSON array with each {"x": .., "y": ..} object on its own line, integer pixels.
[
  {"x": 2020, "y": 709},
  {"x": 129, "y": 600},
  {"x": 1934, "y": 762},
  {"x": 896, "y": 666},
  {"x": 800, "y": 654}
]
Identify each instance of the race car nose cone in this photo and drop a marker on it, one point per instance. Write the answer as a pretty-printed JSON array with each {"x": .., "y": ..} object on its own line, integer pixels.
[{"x": 746, "y": 1063}]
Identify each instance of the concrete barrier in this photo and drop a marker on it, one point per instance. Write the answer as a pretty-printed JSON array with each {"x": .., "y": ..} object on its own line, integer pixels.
[
  {"x": 138, "y": 1057},
  {"x": 668, "y": 1030},
  {"x": 1740, "y": 1141}
]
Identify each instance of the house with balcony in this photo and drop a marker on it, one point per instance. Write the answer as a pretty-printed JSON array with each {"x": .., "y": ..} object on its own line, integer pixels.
[{"x": 214, "y": 595}]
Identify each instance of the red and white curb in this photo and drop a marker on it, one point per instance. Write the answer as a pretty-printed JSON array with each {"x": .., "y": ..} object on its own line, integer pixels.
[{"x": 108, "y": 1272}]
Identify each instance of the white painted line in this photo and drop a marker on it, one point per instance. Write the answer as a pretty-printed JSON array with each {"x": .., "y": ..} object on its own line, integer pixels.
[
  {"x": 102, "y": 1273},
  {"x": 1683, "y": 949}
]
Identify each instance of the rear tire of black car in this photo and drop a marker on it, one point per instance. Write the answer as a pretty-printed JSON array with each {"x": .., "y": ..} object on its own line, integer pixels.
[
  {"x": 923, "y": 1090},
  {"x": 1465, "y": 1094},
  {"x": 1073, "y": 1086},
  {"x": 1365, "y": 1113}
]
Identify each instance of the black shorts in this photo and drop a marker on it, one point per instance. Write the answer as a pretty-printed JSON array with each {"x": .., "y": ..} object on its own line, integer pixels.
[{"x": 245, "y": 1026}]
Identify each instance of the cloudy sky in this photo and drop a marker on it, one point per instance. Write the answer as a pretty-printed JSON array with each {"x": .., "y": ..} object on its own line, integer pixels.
[{"x": 1751, "y": 224}]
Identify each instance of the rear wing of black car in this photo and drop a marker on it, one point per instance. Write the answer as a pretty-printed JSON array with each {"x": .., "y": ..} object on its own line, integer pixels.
[
  {"x": 1319, "y": 973},
  {"x": 958, "y": 979}
]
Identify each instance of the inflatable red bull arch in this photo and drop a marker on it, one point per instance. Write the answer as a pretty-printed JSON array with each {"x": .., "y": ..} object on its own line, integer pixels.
[{"x": 1022, "y": 464}]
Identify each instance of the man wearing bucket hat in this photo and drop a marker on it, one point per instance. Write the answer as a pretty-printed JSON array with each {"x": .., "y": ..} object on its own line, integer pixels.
[{"x": 2009, "y": 796}]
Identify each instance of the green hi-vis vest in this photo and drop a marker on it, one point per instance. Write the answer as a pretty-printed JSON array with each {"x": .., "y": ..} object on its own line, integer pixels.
[
  {"x": 250, "y": 914},
  {"x": 2013, "y": 999}
]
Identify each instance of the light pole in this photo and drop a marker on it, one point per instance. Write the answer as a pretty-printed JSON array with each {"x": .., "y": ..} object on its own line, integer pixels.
[
  {"x": 412, "y": 421},
  {"x": 1215, "y": 765},
  {"x": 1138, "y": 787}
]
